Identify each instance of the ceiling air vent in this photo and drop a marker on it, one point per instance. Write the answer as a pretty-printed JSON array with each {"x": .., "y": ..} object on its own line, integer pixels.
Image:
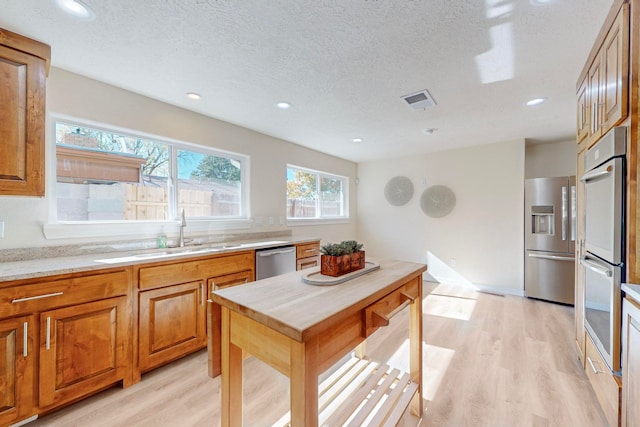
[{"x": 420, "y": 100}]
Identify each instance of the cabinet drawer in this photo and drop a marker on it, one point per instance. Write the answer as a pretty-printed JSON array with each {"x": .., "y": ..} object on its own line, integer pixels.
[
  {"x": 59, "y": 293},
  {"x": 303, "y": 263},
  {"x": 605, "y": 385},
  {"x": 233, "y": 279},
  {"x": 308, "y": 250},
  {"x": 182, "y": 272},
  {"x": 379, "y": 313}
]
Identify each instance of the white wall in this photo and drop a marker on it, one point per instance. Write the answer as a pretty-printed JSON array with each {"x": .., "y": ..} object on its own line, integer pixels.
[
  {"x": 549, "y": 160},
  {"x": 82, "y": 98},
  {"x": 484, "y": 233}
]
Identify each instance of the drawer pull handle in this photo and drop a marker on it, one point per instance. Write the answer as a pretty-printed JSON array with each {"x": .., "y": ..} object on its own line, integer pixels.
[
  {"x": 48, "y": 337},
  {"x": 54, "y": 294},
  {"x": 593, "y": 366},
  {"x": 310, "y": 250},
  {"x": 25, "y": 339},
  {"x": 383, "y": 320}
]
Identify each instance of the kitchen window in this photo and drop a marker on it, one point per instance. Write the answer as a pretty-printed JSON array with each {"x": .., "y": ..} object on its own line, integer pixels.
[
  {"x": 316, "y": 196},
  {"x": 104, "y": 175}
]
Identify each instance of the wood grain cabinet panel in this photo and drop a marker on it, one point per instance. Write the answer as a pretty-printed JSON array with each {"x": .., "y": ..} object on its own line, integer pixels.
[
  {"x": 307, "y": 255},
  {"x": 172, "y": 304},
  {"x": 605, "y": 385},
  {"x": 631, "y": 364},
  {"x": 23, "y": 64},
  {"x": 17, "y": 355},
  {"x": 83, "y": 348},
  {"x": 603, "y": 94},
  {"x": 172, "y": 323},
  {"x": 615, "y": 72}
]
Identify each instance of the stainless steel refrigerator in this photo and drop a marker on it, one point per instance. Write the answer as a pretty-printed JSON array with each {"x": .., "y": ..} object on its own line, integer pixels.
[{"x": 550, "y": 233}]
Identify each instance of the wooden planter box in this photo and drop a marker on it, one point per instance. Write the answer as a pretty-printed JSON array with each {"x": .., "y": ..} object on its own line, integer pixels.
[{"x": 338, "y": 265}]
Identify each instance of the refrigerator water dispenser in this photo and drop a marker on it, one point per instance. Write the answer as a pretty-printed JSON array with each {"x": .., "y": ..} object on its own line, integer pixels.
[{"x": 542, "y": 220}]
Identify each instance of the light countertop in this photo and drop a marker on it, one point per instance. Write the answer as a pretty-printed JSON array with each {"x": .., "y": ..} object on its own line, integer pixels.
[
  {"x": 632, "y": 291},
  {"x": 42, "y": 267}
]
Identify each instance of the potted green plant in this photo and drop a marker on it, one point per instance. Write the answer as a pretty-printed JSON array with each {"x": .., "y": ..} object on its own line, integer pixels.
[{"x": 341, "y": 258}]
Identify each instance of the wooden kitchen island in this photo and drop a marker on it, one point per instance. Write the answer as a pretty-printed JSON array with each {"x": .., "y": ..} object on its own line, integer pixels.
[{"x": 302, "y": 330}]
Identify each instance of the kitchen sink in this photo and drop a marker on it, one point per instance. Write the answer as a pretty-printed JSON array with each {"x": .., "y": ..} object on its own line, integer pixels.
[{"x": 191, "y": 250}]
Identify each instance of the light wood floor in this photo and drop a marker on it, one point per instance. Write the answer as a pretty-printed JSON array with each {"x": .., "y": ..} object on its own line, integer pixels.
[{"x": 488, "y": 361}]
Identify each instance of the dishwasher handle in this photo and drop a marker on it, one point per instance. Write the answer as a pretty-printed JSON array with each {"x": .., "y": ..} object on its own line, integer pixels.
[{"x": 272, "y": 253}]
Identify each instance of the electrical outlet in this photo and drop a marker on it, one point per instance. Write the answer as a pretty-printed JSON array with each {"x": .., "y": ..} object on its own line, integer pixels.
[
  {"x": 281, "y": 220},
  {"x": 1, "y": 229},
  {"x": 258, "y": 221},
  {"x": 270, "y": 219}
]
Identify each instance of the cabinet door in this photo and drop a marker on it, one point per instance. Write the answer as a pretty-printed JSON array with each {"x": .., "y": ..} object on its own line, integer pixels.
[
  {"x": 595, "y": 98},
  {"x": 22, "y": 118},
  {"x": 582, "y": 109},
  {"x": 17, "y": 354},
  {"x": 579, "y": 274},
  {"x": 615, "y": 63},
  {"x": 172, "y": 323},
  {"x": 631, "y": 365},
  {"x": 82, "y": 349}
]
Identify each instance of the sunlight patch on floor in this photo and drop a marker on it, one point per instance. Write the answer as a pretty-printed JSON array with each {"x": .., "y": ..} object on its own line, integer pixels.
[
  {"x": 435, "y": 362},
  {"x": 446, "y": 306}
]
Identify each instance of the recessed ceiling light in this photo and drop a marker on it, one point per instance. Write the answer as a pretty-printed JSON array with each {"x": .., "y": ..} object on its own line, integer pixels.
[
  {"x": 77, "y": 9},
  {"x": 283, "y": 105},
  {"x": 193, "y": 95},
  {"x": 357, "y": 139},
  {"x": 535, "y": 101}
]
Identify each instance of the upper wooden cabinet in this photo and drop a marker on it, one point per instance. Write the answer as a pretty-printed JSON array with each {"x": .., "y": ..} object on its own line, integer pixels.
[
  {"x": 23, "y": 68},
  {"x": 603, "y": 90}
]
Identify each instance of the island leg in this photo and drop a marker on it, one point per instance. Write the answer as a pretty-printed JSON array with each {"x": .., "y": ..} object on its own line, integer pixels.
[
  {"x": 304, "y": 383},
  {"x": 231, "y": 411}
]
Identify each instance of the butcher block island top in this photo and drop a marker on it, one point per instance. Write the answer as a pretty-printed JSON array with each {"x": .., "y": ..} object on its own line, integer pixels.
[
  {"x": 296, "y": 309},
  {"x": 301, "y": 330}
]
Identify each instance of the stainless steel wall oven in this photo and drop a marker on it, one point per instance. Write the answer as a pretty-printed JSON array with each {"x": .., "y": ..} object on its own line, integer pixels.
[{"x": 604, "y": 244}]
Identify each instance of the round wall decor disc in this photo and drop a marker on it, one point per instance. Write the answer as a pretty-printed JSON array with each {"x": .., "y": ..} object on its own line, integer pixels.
[
  {"x": 398, "y": 191},
  {"x": 437, "y": 201}
]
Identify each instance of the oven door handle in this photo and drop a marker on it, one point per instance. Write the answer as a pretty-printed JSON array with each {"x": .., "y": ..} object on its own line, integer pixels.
[
  {"x": 596, "y": 174},
  {"x": 596, "y": 267}
]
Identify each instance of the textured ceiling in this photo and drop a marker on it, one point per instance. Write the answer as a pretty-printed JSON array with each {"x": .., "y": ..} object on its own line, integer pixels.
[{"x": 343, "y": 64}]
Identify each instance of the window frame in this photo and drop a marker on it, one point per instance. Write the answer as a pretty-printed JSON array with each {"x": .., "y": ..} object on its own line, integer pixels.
[
  {"x": 56, "y": 228},
  {"x": 320, "y": 220}
]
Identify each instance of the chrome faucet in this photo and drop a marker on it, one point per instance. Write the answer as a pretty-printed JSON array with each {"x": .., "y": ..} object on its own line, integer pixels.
[{"x": 183, "y": 224}]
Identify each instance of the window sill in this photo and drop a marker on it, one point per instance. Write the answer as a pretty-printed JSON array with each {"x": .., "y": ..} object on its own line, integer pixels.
[
  {"x": 76, "y": 230},
  {"x": 296, "y": 222}
]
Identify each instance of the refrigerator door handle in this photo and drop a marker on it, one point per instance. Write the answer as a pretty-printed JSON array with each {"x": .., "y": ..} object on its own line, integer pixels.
[
  {"x": 564, "y": 213},
  {"x": 596, "y": 267},
  {"x": 553, "y": 257},
  {"x": 573, "y": 213}
]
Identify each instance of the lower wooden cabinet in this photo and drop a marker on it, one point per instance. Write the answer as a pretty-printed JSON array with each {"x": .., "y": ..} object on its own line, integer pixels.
[
  {"x": 631, "y": 363},
  {"x": 17, "y": 355},
  {"x": 171, "y": 323},
  {"x": 82, "y": 349},
  {"x": 62, "y": 338},
  {"x": 307, "y": 255},
  {"x": 606, "y": 385},
  {"x": 172, "y": 306}
]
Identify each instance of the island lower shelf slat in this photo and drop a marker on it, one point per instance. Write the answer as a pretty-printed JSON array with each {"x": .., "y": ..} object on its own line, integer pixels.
[{"x": 362, "y": 392}]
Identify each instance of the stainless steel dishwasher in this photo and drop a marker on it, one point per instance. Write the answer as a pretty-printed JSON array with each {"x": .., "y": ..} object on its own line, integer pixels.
[{"x": 275, "y": 261}]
